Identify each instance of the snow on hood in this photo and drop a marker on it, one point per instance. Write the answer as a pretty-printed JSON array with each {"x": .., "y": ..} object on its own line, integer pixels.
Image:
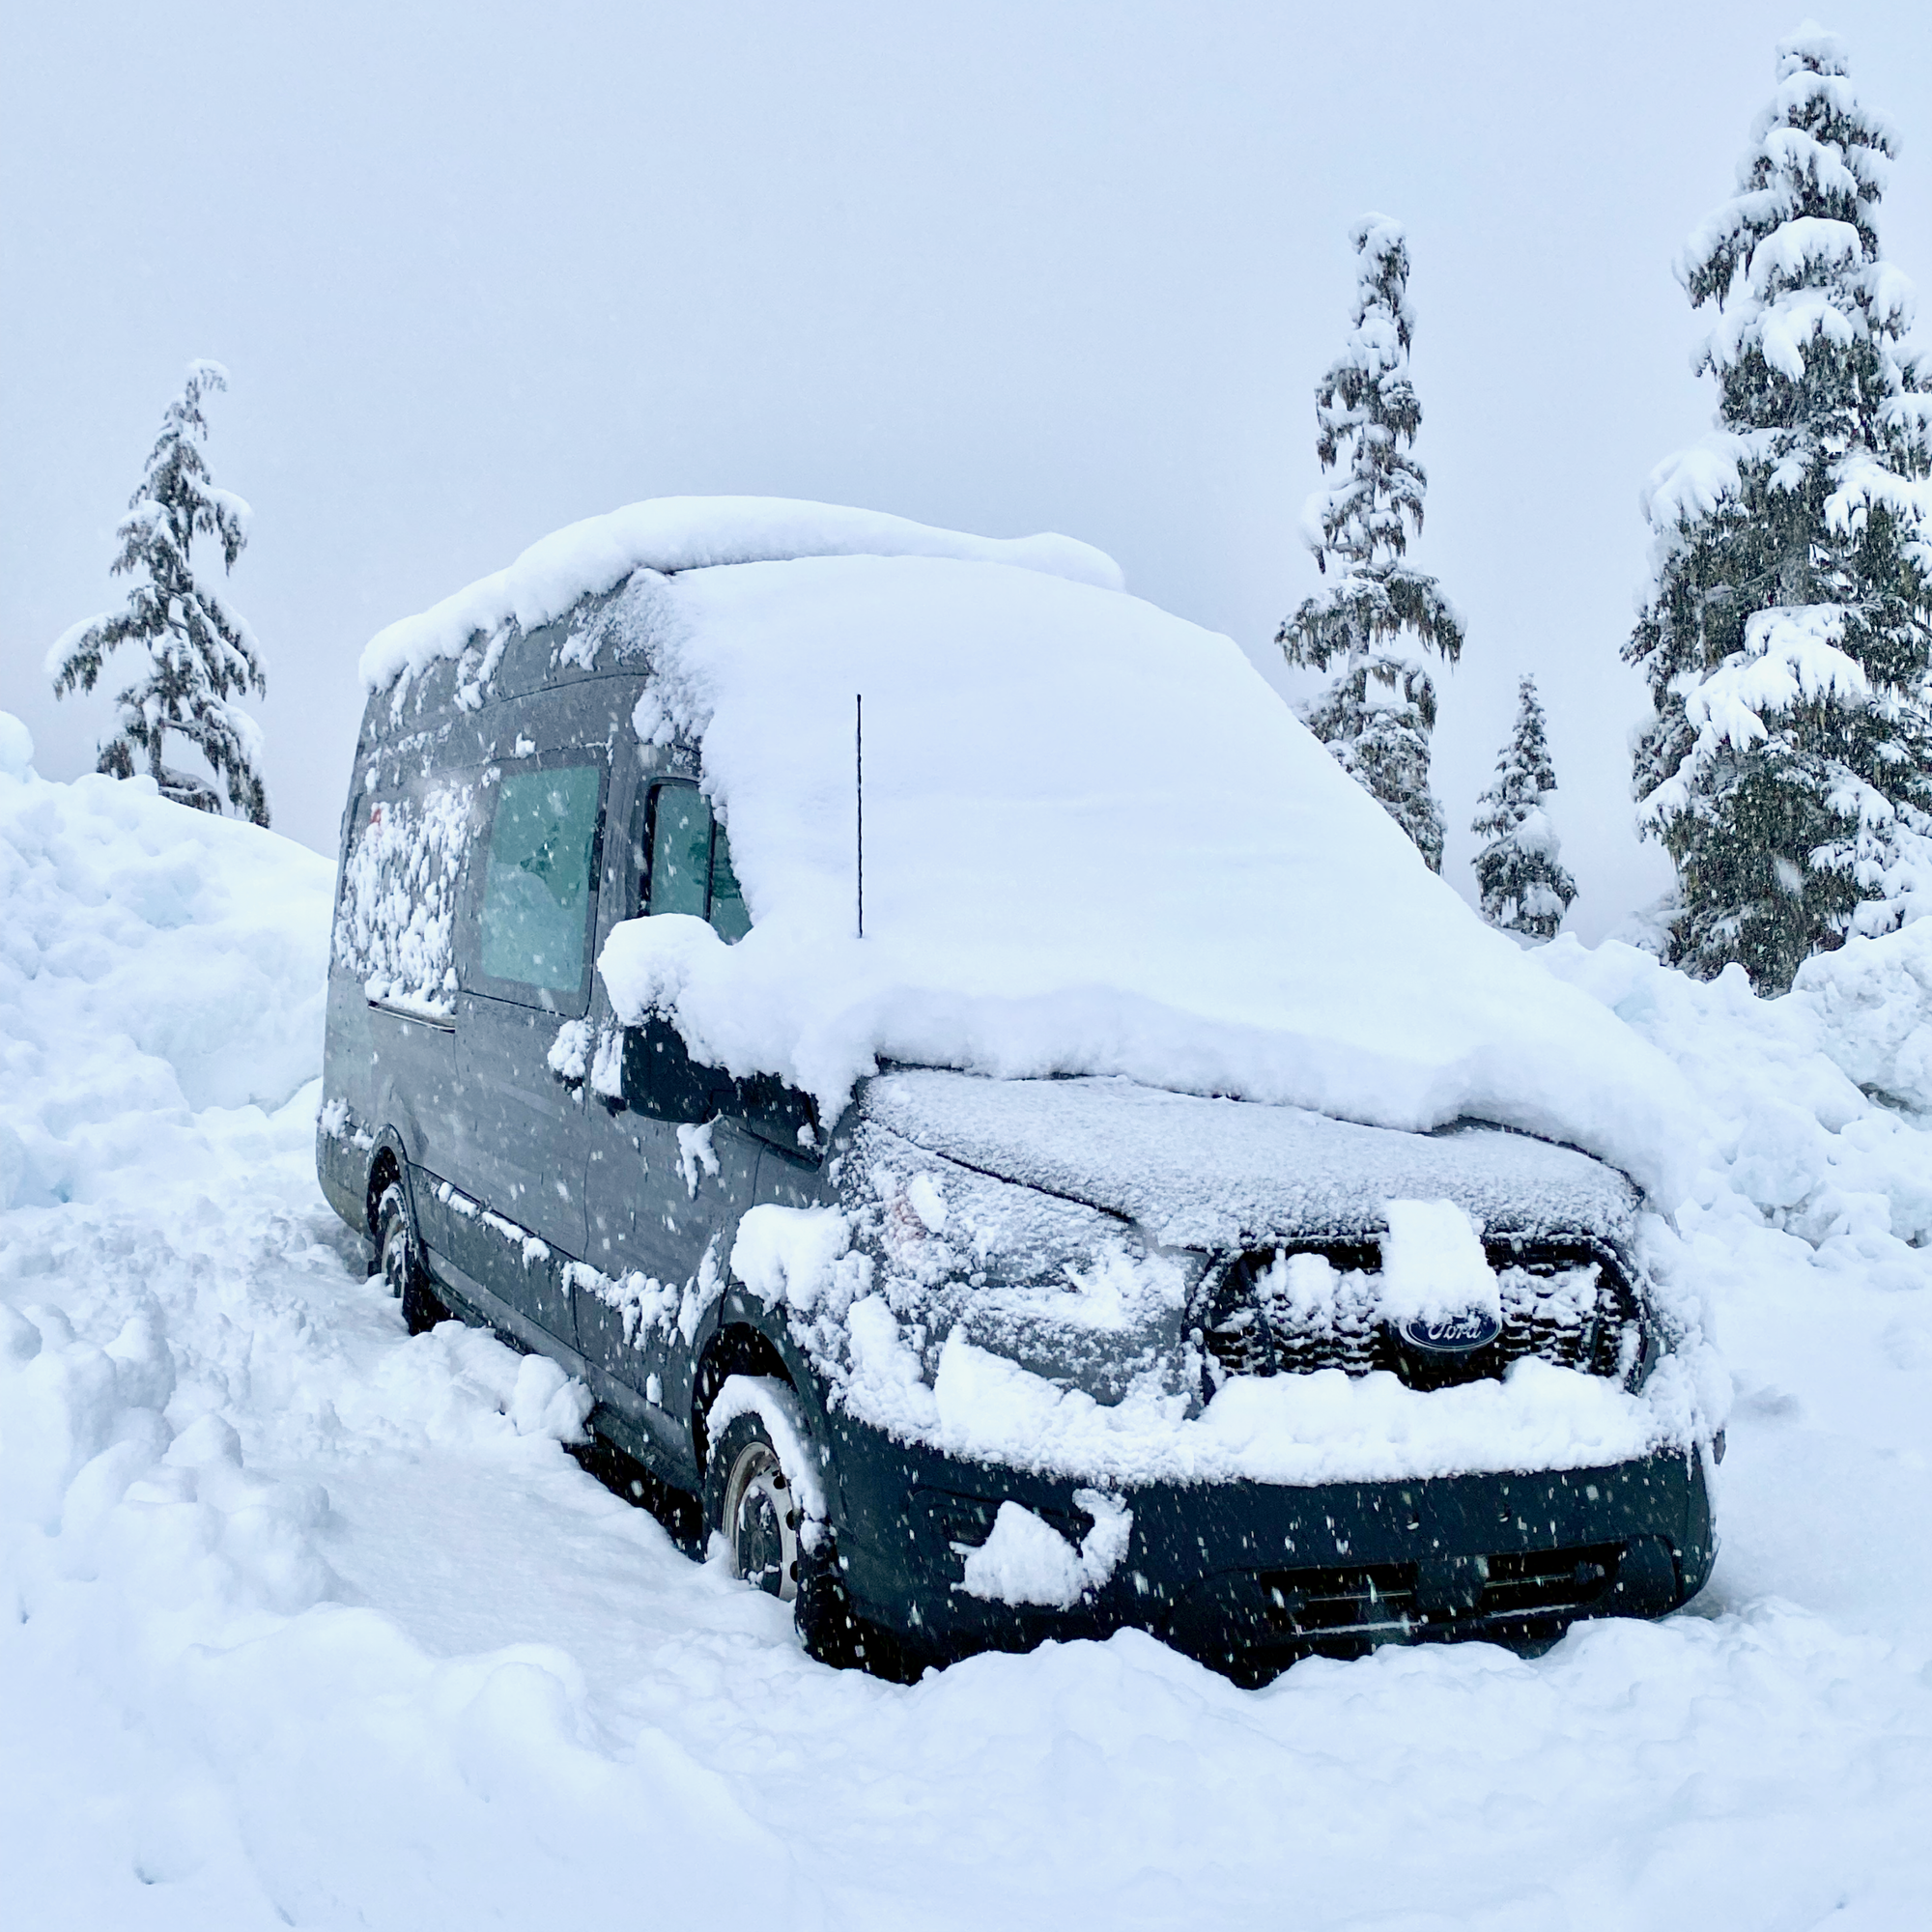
[
  {"x": 1096, "y": 843},
  {"x": 672, "y": 533},
  {"x": 1219, "y": 1174}
]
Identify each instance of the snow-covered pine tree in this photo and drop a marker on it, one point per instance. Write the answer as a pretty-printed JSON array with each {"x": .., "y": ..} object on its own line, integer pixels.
[
  {"x": 1376, "y": 715},
  {"x": 1785, "y": 635},
  {"x": 197, "y": 653},
  {"x": 1523, "y": 884}
]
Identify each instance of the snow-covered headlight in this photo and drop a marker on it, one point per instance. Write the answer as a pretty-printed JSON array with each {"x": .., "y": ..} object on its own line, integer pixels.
[{"x": 1063, "y": 1291}]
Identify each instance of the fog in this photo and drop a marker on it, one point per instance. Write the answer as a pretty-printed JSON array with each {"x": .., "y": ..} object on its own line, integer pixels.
[{"x": 480, "y": 271}]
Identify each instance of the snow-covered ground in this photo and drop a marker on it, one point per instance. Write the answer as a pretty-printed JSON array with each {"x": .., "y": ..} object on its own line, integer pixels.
[{"x": 303, "y": 1622}]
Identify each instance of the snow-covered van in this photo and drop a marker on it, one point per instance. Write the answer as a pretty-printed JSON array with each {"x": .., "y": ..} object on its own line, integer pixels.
[{"x": 1173, "y": 1210}]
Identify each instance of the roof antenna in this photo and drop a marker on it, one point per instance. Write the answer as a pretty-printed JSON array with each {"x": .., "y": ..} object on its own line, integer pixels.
[{"x": 859, "y": 777}]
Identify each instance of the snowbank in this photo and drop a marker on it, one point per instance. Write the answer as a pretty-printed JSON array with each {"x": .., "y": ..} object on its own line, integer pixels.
[
  {"x": 1786, "y": 1133},
  {"x": 1095, "y": 843},
  {"x": 1873, "y": 1003},
  {"x": 205, "y": 1721},
  {"x": 153, "y": 960}
]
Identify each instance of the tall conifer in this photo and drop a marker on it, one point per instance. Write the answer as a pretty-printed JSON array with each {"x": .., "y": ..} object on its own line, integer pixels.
[
  {"x": 1376, "y": 715},
  {"x": 195, "y": 653},
  {"x": 1787, "y": 633},
  {"x": 1523, "y": 884}
]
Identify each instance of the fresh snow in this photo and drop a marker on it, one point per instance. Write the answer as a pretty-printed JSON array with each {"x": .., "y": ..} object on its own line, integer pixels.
[
  {"x": 1204, "y": 1174},
  {"x": 1026, "y": 1560},
  {"x": 1039, "y": 1326},
  {"x": 302, "y": 1621},
  {"x": 1325, "y": 1427},
  {"x": 674, "y": 533},
  {"x": 1432, "y": 1265}
]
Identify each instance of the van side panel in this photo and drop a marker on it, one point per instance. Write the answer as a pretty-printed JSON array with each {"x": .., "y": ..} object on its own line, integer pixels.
[{"x": 547, "y": 1209}]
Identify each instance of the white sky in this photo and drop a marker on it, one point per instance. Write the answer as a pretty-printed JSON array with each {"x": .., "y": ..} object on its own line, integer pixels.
[{"x": 478, "y": 271}]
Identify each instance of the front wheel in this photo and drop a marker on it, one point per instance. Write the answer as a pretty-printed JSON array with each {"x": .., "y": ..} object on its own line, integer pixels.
[{"x": 751, "y": 1501}]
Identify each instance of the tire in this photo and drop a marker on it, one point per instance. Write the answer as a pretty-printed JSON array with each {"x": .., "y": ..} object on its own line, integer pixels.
[
  {"x": 750, "y": 1501},
  {"x": 400, "y": 1263},
  {"x": 834, "y": 1632}
]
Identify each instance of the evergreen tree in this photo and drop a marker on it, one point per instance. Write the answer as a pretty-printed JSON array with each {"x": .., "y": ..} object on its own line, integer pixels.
[
  {"x": 1785, "y": 634},
  {"x": 1376, "y": 715},
  {"x": 1524, "y": 886},
  {"x": 195, "y": 652}
]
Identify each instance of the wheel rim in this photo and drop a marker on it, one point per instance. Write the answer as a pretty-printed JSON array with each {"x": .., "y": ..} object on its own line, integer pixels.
[
  {"x": 761, "y": 1521},
  {"x": 396, "y": 1260}
]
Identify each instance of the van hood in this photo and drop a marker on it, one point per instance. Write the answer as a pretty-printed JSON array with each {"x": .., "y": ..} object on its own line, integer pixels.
[{"x": 1217, "y": 1173}]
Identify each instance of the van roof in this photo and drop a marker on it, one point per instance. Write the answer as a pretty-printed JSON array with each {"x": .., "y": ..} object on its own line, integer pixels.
[{"x": 674, "y": 534}]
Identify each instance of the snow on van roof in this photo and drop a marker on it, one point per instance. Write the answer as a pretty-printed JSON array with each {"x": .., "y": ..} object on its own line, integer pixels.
[
  {"x": 1095, "y": 843},
  {"x": 674, "y": 533}
]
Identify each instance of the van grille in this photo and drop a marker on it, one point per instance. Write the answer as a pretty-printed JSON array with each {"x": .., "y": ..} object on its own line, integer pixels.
[{"x": 1564, "y": 1305}]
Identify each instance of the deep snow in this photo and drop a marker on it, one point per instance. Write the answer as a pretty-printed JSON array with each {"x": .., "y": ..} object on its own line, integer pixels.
[{"x": 305, "y": 1622}]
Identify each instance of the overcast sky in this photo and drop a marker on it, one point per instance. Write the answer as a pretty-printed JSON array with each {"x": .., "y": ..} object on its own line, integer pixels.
[{"x": 478, "y": 271}]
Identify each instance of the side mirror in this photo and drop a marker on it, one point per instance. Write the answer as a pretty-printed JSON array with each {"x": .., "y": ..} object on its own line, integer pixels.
[
  {"x": 780, "y": 1116},
  {"x": 663, "y": 1082}
]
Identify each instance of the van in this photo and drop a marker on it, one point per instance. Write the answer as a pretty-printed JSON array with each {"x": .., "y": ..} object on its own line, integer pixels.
[{"x": 1038, "y": 1157}]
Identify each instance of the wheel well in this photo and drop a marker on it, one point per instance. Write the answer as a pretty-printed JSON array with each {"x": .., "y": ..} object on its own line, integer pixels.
[
  {"x": 384, "y": 1171},
  {"x": 736, "y": 1350}
]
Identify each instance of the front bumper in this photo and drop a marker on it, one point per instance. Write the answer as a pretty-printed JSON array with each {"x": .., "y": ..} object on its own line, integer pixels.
[{"x": 1248, "y": 1576}]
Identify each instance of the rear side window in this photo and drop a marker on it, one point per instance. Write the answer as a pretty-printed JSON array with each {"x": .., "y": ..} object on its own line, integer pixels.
[
  {"x": 689, "y": 864},
  {"x": 538, "y": 890},
  {"x": 402, "y": 863}
]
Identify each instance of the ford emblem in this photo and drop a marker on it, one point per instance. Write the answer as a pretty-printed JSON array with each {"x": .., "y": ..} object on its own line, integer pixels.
[{"x": 1456, "y": 1334}]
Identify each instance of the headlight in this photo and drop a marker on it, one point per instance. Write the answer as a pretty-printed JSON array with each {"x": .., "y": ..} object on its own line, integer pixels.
[{"x": 1072, "y": 1294}]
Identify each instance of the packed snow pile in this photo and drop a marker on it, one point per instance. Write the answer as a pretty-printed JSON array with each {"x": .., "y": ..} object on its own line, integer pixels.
[
  {"x": 304, "y": 1621},
  {"x": 1026, "y": 1560},
  {"x": 160, "y": 1002},
  {"x": 153, "y": 960},
  {"x": 1812, "y": 1119},
  {"x": 1095, "y": 843},
  {"x": 1872, "y": 1000}
]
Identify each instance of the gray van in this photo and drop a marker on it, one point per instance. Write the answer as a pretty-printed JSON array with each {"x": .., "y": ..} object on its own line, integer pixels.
[{"x": 525, "y": 1157}]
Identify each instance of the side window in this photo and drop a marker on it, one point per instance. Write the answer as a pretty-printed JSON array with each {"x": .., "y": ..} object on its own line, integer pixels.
[
  {"x": 403, "y": 860},
  {"x": 534, "y": 926},
  {"x": 688, "y": 861}
]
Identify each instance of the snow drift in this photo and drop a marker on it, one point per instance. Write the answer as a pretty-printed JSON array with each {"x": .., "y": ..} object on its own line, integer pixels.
[
  {"x": 1095, "y": 843},
  {"x": 153, "y": 960}
]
